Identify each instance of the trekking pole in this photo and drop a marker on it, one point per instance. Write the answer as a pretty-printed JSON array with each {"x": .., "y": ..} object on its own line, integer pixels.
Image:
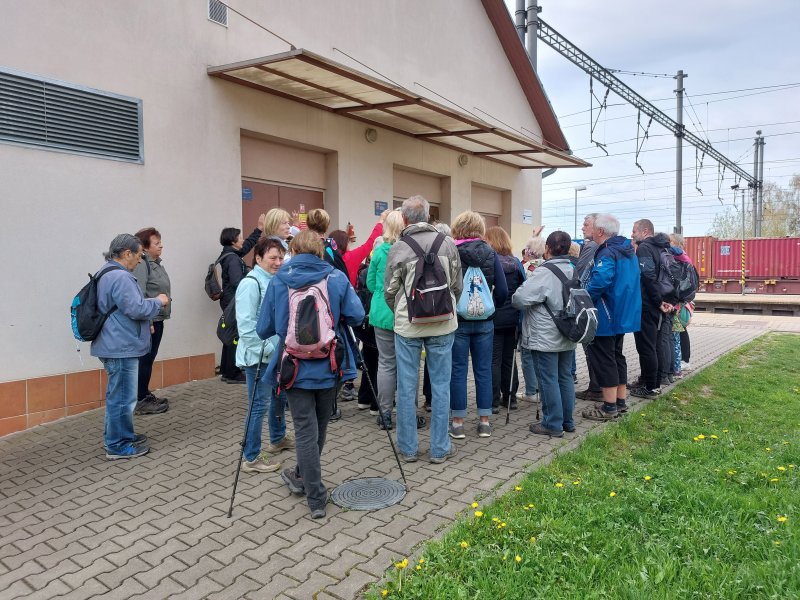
[
  {"x": 247, "y": 426},
  {"x": 511, "y": 382},
  {"x": 360, "y": 358}
]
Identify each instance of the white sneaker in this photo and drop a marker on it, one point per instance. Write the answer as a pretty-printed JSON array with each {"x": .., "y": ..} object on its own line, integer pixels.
[
  {"x": 685, "y": 366},
  {"x": 528, "y": 398}
]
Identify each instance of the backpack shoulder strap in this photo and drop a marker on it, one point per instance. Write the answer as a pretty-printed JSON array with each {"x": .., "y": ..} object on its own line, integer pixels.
[
  {"x": 437, "y": 243},
  {"x": 414, "y": 245},
  {"x": 258, "y": 283},
  {"x": 555, "y": 271}
]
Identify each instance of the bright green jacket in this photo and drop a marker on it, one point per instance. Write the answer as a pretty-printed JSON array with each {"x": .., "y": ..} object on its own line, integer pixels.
[{"x": 380, "y": 315}]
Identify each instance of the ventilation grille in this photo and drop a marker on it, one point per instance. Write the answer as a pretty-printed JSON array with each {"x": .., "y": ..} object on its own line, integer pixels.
[
  {"x": 218, "y": 12},
  {"x": 42, "y": 113}
]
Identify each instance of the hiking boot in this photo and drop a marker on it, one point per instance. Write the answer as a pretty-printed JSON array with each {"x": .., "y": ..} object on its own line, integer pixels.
[
  {"x": 260, "y": 464},
  {"x": 318, "y": 513},
  {"x": 293, "y": 481},
  {"x": 589, "y": 395},
  {"x": 348, "y": 392},
  {"x": 456, "y": 432},
  {"x": 148, "y": 407},
  {"x": 287, "y": 443},
  {"x": 156, "y": 399},
  {"x": 643, "y": 392},
  {"x": 385, "y": 423},
  {"x": 540, "y": 429},
  {"x": 622, "y": 406},
  {"x": 605, "y": 412},
  {"x": 484, "y": 429},
  {"x": 138, "y": 440},
  {"x": 437, "y": 460},
  {"x": 130, "y": 451}
]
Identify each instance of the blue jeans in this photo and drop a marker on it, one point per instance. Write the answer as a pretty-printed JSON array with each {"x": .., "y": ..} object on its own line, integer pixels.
[
  {"x": 676, "y": 352},
  {"x": 529, "y": 373},
  {"x": 264, "y": 402},
  {"x": 120, "y": 402},
  {"x": 556, "y": 389},
  {"x": 476, "y": 338},
  {"x": 438, "y": 351}
]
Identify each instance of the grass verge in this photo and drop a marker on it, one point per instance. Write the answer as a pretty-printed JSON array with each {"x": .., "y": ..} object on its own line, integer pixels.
[{"x": 696, "y": 495}]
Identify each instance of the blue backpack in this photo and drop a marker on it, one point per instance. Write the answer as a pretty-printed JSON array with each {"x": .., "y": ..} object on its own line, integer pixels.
[{"x": 475, "y": 302}]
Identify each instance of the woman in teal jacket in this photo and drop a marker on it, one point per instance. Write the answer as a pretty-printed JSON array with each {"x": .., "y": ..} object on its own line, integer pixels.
[
  {"x": 381, "y": 318},
  {"x": 269, "y": 255}
]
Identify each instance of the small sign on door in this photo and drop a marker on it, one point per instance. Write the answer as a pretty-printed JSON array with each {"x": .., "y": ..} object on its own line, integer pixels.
[
  {"x": 380, "y": 207},
  {"x": 247, "y": 193}
]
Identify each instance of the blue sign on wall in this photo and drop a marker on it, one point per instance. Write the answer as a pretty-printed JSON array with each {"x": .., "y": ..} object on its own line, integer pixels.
[
  {"x": 380, "y": 207},
  {"x": 247, "y": 193}
]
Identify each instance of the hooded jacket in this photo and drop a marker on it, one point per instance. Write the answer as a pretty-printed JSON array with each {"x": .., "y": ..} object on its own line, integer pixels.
[
  {"x": 380, "y": 315},
  {"x": 303, "y": 270},
  {"x": 648, "y": 252},
  {"x": 233, "y": 267},
  {"x": 613, "y": 284},
  {"x": 539, "y": 332},
  {"x": 248, "y": 308},
  {"x": 477, "y": 253}
]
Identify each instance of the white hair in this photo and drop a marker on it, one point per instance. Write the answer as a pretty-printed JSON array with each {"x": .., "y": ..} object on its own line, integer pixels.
[{"x": 608, "y": 223}]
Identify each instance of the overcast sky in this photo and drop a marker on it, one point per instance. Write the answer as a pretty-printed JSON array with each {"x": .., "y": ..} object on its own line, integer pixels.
[{"x": 722, "y": 46}]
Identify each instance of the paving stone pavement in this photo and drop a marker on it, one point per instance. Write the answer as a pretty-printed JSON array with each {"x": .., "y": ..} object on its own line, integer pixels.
[{"x": 74, "y": 525}]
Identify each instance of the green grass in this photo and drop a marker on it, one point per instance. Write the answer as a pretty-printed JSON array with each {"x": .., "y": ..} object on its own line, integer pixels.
[{"x": 721, "y": 453}]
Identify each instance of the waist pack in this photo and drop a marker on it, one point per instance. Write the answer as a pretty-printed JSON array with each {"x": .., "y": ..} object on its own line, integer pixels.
[
  {"x": 87, "y": 320},
  {"x": 429, "y": 299},
  {"x": 577, "y": 321},
  {"x": 227, "y": 326},
  {"x": 475, "y": 302}
]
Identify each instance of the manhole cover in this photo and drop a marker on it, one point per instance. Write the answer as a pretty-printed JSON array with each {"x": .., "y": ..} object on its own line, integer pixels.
[{"x": 370, "y": 493}]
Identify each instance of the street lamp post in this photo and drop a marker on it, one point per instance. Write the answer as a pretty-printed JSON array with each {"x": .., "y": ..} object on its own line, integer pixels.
[{"x": 577, "y": 189}]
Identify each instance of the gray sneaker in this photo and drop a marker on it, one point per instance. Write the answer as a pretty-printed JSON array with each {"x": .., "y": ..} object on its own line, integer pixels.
[
  {"x": 437, "y": 460},
  {"x": 293, "y": 481},
  {"x": 457, "y": 432},
  {"x": 484, "y": 430}
]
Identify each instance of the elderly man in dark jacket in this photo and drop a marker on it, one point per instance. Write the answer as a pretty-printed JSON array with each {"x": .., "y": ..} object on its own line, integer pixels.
[{"x": 613, "y": 284}]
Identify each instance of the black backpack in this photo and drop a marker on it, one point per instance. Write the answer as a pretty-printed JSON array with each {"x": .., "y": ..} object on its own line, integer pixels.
[
  {"x": 213, "y": 284},
  {"x": 429, "y": 300},
  {"x": 686, "y": 281},
  {"x": 666, "y": 283},
  {"x": 87, "y": 320},
  {"x": 227, "y": 327},
  {"x": 334, "y": 257},
  {"x": 577, "y": 321}
]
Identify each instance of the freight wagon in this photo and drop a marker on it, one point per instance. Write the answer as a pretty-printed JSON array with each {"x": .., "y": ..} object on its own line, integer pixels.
[{"x": 771, "y": 266}]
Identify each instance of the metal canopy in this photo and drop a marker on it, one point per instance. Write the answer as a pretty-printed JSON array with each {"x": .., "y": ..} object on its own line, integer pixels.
[{"x": 308, "y": 78}]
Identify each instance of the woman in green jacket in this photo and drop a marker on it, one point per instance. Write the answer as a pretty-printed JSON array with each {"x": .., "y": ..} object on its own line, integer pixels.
[{"x": 381, "y": 318}]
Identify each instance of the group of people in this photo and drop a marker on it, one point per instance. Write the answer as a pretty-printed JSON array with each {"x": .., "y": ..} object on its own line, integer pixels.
[{"x": 307, "y": 283}]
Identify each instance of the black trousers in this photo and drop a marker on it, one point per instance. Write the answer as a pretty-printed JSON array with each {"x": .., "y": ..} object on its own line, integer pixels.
[
  {"x": 665, "y": 349},
  {"x": 686, "y": 348},
  {"x": 227, "y": 363},
  {"x": 503, "y": 367},
  {"x": 365, "y": 395},
  {"x": 646, "y": 346},
  {"x": 146, "y": 361}
]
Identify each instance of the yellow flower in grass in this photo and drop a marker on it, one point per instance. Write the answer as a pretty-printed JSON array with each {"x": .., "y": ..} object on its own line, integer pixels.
[
  {"x": 695, "y": 439},
  {"x": 525, "y": 508},
  {"x": 421, "y": 560},
  {"x": 478, "y": 514},
  {"x": 774, "y": 480},
  {"x": 643, "y": 414},
  {"x": 701, "y": 437},
  {"x": 495, "y": 520},
  {"x": 474, "y": 505},
  {"x": 402, "y": 564},
  {"x": 464, "y": 544},
  {"x": 767, "y": 449},
  {"x": 612, "y": 494},
  {"x": 531, "y": 505},
  {"x": 731, "y": 472},
  {"x": 576, "y": 482},
  {"x": 785, "y": 442},
  {"x": 647, "y": 478},
  {"x": 384, "y": 593},
  {"x": 419, "y": 567},
  {"x": 777, "y": 542},
  {"x": 518, "y": 488},
  {"x": 533, "y": 539},
  {"x": 791, "y": 466},
  {"x": 781, "y": 468},
  {"x": 518, "y": 558},
  {"x": 782, "y": 518},
  {"x": 713, "y": 437},
  {"x": 559, "y": 485},
  {"x": 724, "y": 431}
]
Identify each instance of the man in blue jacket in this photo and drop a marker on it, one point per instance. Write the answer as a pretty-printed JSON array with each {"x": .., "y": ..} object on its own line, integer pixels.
[
  {"x": 124, "y": 338},
  {"x": 614, "y": 287}
]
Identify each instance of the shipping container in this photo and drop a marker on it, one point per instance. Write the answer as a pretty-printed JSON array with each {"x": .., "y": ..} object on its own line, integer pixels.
[
  {"x": 777, "y": 258},
  {"x": 701, "y": 253}
]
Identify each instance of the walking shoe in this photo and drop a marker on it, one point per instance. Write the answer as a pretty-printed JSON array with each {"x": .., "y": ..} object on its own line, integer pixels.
[
  {"x": 260, "y": 464},
  {"x": 374, "y": 412},
  {"x": 348, "y": 392},
  {"x": 385, "y": 423},
  {"x": 336, "y": 415},
  {"x": 293, "y": 481},
  {"x": 138, "y": 440},
  {"x": 148, "y": 407},
  {"x": 409, "y": 458},
  {"x": 287, "y": 443},
  {"x": 495, "y": 409},
  {"x": 529, "y": 397},
  {"x": 514, "y": 405},
  {"x": 670, "y": 378},
  {"x": 484, "y": 429},
  {"x": 456, "y": 432},
  {"x": 685, "y": 366},
  {"x": 130, "y": 451},
  {"x": 604, "y": 412},
  {"x": 588, "y": 394},
  {"x": 622, "y": 406},
  {"x": 363, "y": 406},
  {"x": 318, "y": 513},
  {"x": 156, "y": 399},
  {"x": 643, "y": 392},
  {"x": 540, "y": 429},
  {"x": 240, "y": 378},
  {"x": 569, "y": 428},
  {"x": 437, "y": 460}
]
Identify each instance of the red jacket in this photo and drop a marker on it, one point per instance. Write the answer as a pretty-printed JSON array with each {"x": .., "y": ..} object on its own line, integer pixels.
[{"x": 355, "y": 256}]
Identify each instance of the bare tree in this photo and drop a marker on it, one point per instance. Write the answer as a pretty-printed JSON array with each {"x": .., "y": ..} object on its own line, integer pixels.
[{"x": 781, "y": 214}]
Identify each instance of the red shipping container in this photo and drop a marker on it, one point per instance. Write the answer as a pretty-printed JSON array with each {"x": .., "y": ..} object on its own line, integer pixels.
[
  {"x": 777, "y": 258},
  {"x": 701, "y": 253}
]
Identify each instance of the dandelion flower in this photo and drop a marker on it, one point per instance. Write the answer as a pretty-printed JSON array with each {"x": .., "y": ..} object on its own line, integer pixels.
[
  {"x": 786, "y": 442},
  {"x": 774, "y": 480},
  {"x": 647, "y": 478},
  {"x": 422, "y": 560},
  {"x": 464, "y": 544},
  {"x": 518, "y": 558},
  {"x": 576, "y": 482},
  {"x": 531, "y": 505},
  {"x": 724, "y": 431},
  {"x": 495, "y": 520},
  {"x": 777, "y": 542},
  {"x": 518, "y": 488},
  {"x": 478, "y": 514},
  {"x": 701, "y": 437},
  {"x": 533, "y": 539},
  {"x": 419, "y": 567},
  {"x": 643, "y": 414},
  {"x": 731, "y": 472},
  {"x": 503, "y": 524},
  {"x": 612, "y": 494},
  {"x": 782, "y": 518},
  {"x": 474, "y": 505},
  {"x": 767, "y": 449},
  {"x": 695, "y": 439},
  {"x": 713, "y": 437},
  {"x": 384, "y": 593},
  {"x": 525, "y": 508},
  {"x": 559, "y": 485},
  {"x": 402, "y": 564},
  {"x": 791, "y": 466}
]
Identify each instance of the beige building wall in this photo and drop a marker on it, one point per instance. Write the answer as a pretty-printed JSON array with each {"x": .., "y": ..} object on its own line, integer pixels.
[{"x": 60, "y": 210}]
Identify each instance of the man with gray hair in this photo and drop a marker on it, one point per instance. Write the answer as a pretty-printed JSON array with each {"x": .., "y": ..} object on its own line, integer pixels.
[
  {"x": 416, "y": 253},
  {"x": 584, "y": 267},
  {"x": 124, "y": 338},
  {"x": 613, "y": 284}
]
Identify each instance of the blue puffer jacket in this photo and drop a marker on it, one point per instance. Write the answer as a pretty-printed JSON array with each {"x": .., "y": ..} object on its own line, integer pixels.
[
  {"x": 614, "y": 287},
  {"x": 303, "y": 270},
  {"x": 126, "y": 333}
]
